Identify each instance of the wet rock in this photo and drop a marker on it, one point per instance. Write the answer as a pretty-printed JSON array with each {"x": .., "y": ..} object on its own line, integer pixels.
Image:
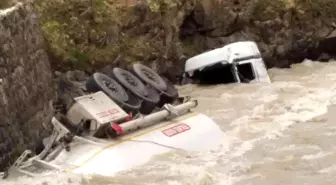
[
  {"x": 26, "y": 89},
  {"x": 161, "y": 33},
  {"x": 286, "y": 31},
  {"x": 324, "y": 57},
  {"x": 68, "y": 86}
]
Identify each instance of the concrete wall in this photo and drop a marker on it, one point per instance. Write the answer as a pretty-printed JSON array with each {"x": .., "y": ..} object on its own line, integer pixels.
[{"x": 25, "y": 83}]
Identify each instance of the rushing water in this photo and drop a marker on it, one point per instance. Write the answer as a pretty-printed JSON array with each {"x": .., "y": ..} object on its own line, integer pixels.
[{"x": 273, "y": 135}]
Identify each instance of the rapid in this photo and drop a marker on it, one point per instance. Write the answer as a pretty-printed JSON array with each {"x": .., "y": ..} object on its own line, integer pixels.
[{"x": 274, "y": 134}]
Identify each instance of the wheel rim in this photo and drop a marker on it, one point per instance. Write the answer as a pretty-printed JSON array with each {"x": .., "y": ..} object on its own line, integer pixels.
[
  {"x": 152, "y": 77},
  {"x": 113, "y": 87},
  {"x": 149, "y": 76},
  {"x": 130, "y": 80}
]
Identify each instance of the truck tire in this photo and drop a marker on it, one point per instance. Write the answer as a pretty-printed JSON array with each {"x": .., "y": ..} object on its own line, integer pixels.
[
  {"x": 130, "y": 81},
  {"x": 169, "y": 95},
  {"x": 67, "y": 91},
  {"x": 101, "y": 82},
  {"x": 149, "y": 96},
  {"x": 149, "y": 76},
  {"x": 125, "y": 99}
]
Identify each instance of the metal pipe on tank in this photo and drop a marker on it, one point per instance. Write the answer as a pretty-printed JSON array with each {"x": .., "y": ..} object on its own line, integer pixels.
[{"x": 155, "y": 117}]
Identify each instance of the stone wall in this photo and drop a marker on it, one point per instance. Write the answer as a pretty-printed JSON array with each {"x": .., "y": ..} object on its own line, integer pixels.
[{"x": 25, "y": 83}]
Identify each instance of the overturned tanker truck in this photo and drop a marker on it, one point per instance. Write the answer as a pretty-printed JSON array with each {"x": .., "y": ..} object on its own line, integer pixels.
[{"x": 125, "y": 118}]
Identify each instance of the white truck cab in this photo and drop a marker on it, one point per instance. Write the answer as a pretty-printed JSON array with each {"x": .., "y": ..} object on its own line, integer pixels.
[{"x": 236, "y": 62}]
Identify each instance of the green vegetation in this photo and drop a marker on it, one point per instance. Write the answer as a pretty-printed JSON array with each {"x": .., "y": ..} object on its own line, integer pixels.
[
  {"x": 324, "y": 8},
  {"x": 266, "y": 9},
  {"x": 89, "y": 33},
  {"x": 76, "y": 30}
]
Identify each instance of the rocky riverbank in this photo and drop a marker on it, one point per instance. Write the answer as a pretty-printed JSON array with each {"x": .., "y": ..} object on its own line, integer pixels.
[{"x": 89, "y": 34}]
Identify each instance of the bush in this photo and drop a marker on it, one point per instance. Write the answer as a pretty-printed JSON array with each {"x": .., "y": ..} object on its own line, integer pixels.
[
  {"x": 75, "y": 30},
  {"x": 84, "y": 34}
]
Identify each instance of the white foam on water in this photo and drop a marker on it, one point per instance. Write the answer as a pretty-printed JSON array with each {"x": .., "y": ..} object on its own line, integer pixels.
[
  {"x": 55, "y": 179},
  {"x": 318, "y": 155},
  {"x": 328, "y": 169}
]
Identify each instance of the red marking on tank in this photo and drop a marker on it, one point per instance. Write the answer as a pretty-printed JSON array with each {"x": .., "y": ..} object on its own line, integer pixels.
[
  {"x": 103, "y": 114},
  {"x": 113, "y": 111},
  {"x": 170, "y": 132},
  {"x": 107, "y": 113}
]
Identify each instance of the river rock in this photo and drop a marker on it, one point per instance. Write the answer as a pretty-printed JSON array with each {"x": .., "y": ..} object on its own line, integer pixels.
[{"x": 69, "y": 85}]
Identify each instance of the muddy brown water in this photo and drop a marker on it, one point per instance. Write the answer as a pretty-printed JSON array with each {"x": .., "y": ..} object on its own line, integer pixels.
[{"x": 274, "y": 134}]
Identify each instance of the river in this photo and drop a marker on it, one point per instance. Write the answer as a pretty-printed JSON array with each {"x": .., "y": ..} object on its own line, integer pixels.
[{"x": 274, "y": 134}]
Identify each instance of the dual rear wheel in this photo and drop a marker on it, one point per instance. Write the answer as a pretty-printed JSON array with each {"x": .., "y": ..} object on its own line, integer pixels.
[{"x": 141, "y": 90}]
